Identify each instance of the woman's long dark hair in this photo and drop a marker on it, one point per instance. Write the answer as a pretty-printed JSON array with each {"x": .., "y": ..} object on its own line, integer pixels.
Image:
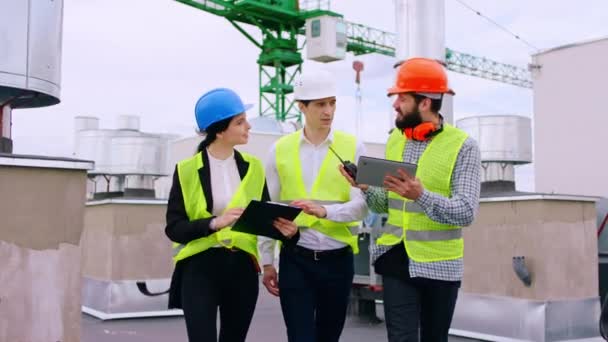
[{"x": 212, "y": 131}]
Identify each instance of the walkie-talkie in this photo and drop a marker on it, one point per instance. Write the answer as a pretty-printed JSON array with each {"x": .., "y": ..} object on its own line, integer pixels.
[{"x": 349, "y": 167}]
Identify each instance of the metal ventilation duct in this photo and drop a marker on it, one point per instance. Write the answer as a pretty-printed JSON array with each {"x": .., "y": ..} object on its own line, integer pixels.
[
  {"x": 128, "y": 123},
  {"x": 504, "y": 141},
  {"x": 30, "y": 75},
  {"x": 30, "y": 59},
  {"x": 127, "y": 161},
  {"x": 86, "y": 123}
]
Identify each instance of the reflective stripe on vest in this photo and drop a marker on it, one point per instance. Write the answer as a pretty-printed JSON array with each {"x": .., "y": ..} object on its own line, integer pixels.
[
  {"x": 398, "y": 203},
  {"x": 429, "y": 235},
  {"x": 251, "y": 187},
  {"x": 425, "y": 239},
  {"x": 329, "y": 187}
]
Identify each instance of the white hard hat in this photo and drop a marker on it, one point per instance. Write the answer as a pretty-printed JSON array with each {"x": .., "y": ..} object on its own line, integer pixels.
[{"x": 314, "y": 85}]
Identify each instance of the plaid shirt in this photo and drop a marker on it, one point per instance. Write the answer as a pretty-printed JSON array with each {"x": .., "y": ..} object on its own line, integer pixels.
[{"x": 458, "y": 210}]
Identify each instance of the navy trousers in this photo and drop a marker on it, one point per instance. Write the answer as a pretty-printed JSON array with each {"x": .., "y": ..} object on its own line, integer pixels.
[{"x": 314, "y": 292}]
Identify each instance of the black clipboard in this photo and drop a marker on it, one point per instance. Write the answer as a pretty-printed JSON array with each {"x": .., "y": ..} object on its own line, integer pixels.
[{"x": 258, "y": 217}]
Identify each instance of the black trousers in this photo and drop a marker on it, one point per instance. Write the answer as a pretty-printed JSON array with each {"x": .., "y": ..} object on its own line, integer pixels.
[
  {"x": 415, "y": 309},
  {"x": 314, "y": 294},
  {"x": 224, "y": 279},
  {"x": 418, "y": 303}
]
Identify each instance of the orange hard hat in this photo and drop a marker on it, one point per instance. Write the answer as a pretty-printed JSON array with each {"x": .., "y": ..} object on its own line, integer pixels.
[{"x": 421, "y": 75}]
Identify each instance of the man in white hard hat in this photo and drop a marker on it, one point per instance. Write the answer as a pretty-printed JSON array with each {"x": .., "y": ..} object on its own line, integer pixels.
[{"x": 316, "y": 273}]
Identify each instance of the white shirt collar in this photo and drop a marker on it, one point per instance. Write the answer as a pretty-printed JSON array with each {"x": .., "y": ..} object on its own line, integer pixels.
[
  {"x": 328, "y": 140},
  {"x": 217, "y": 161}
]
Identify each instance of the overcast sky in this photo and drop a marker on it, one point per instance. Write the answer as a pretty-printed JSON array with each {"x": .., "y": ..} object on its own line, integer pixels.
[{"x": 154, "y": 58}]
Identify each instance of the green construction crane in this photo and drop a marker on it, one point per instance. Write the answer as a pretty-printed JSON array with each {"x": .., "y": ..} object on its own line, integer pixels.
[{"x": 280, "y": 60}]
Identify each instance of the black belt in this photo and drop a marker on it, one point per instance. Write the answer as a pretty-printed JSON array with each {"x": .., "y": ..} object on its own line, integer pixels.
[
  {"x": 318, "y": 255},
  {"x": 226, "y": 249}
]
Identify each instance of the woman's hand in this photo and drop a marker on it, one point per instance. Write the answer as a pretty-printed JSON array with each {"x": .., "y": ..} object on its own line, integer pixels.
[
  {"x": 286, "y": 227},
  {"x": 227, "y": 219}
]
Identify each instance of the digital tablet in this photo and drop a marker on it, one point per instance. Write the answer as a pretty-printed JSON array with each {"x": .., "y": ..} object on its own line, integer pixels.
[{"x": 371, "y": 171}]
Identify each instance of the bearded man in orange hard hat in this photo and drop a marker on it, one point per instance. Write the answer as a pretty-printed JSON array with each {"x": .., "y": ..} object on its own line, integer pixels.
[{"x": 420, "y": 252}]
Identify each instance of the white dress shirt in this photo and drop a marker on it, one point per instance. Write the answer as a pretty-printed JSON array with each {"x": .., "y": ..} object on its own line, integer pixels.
[{"x": 311, "y": 158}]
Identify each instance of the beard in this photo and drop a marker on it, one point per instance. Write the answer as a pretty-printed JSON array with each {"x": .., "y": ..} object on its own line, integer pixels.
[{"x": 409, "y": 120}]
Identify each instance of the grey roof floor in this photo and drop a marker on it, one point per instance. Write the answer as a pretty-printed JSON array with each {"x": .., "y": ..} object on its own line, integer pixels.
[{"x": 267, "y": 326}]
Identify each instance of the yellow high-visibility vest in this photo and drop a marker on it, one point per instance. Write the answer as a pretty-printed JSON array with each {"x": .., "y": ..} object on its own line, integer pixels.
[
  {"x": 425, "y": 240},
  {"x": 251, "y": 187},
  {"x": 329, "y": 187}
]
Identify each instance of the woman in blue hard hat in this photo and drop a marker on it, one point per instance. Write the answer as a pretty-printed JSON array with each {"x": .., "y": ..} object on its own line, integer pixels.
[{"x": 216, "y": 267}]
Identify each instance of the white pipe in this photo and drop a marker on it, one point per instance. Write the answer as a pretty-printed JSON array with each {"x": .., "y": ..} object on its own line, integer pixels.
[
  {"x": 359, "y": 112},
  {"x": 6, "y": 121},
  {"x": 420, "y": 29},
  {"x": 427, "y": 23},
  {"x": 401, "y": 31},
  {"x": 447, "y": 109}
]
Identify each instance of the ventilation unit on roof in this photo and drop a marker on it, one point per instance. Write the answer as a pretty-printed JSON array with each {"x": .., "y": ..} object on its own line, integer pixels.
[
  {"x": 127, "y": 161},
  {"x": 504, "y": 141}
]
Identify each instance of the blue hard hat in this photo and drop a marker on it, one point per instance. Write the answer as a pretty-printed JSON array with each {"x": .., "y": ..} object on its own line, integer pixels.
[{"x": 217, "y": 105}]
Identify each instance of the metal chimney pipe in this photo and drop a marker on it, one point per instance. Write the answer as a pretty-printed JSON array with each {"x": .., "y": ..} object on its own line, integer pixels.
[
  {"x": 6, "y": 121},
  {"x": 420, "y": 30},
  {"x": 430, "y": 31},
  {"x": 6, "y": 143},
  {"x": 401, "y": 21}
]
